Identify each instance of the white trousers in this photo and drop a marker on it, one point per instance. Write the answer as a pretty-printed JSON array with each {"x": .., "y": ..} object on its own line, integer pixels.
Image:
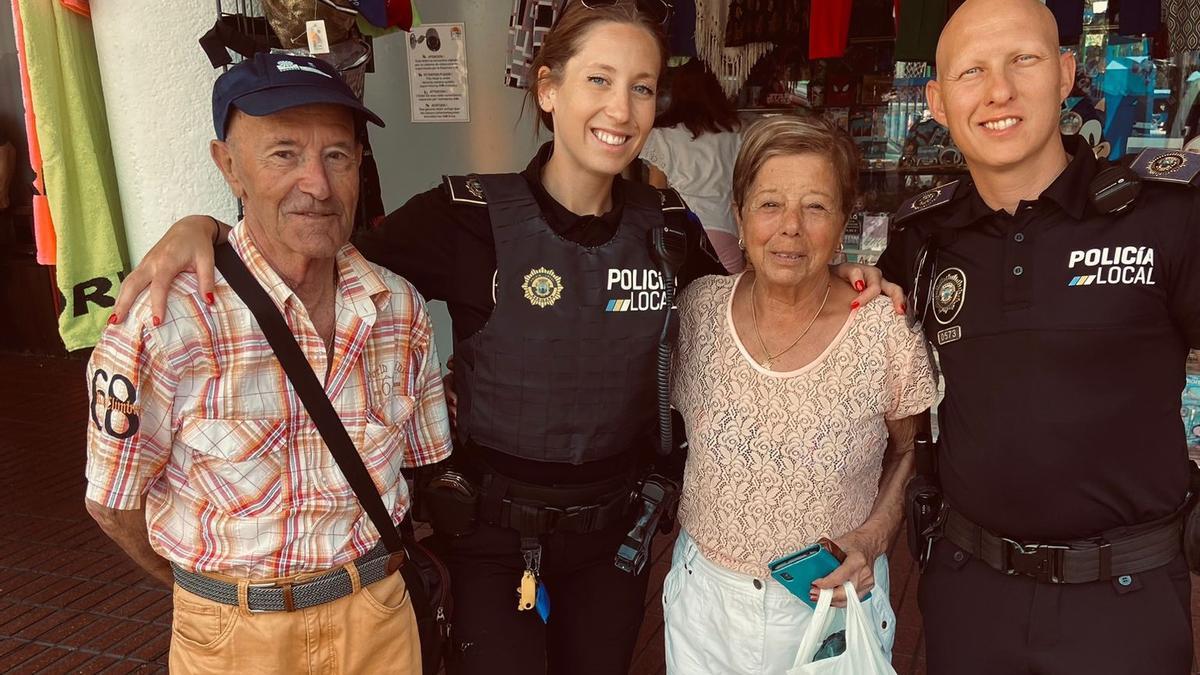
[{"x": 721, "y": 622}]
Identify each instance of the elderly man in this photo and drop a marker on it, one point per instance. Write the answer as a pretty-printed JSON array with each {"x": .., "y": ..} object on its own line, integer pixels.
[
  {"x": 1062, "y": 304},
  {"x": 204, "y": 466}
]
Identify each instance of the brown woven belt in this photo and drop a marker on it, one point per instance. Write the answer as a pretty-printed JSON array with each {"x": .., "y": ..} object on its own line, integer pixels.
[{"x": 1071, "y": 562}]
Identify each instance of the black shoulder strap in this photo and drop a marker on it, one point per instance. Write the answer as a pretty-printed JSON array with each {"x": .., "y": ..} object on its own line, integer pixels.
[
  {"x": 1168, "y": 166},
  {"x": 464, "y": 190},
  {"x": 671, "y": 201},
  {"x": 310, "y": 391},
  {"x": 329, "y": 424},
  {"x": 927, "y": 200}
]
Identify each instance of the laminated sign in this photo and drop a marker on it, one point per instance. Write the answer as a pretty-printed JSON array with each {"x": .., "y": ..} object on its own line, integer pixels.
[{"x": 437, "y": 73}]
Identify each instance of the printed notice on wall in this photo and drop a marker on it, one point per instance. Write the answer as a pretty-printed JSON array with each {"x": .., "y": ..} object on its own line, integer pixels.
[{"x": 437, "y": 73}]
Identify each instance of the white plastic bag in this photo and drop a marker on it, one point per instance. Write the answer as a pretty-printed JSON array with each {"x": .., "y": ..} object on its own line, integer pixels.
[{"x": 863, "y": 655}]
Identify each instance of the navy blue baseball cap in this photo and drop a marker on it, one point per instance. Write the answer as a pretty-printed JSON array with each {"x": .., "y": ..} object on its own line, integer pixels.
[{"x": 268, "y": 83}]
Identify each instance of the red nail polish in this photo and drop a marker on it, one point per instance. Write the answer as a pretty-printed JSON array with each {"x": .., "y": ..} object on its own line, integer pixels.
[
  {"x": 854, "y": 305},
  {"x": 208, "y": 297},
  {"x": 903, "y": 308},
  {"x": 112, "y": 319},
  {"x": 859, "y": 285},
  {"x": 156, "y": 321}
]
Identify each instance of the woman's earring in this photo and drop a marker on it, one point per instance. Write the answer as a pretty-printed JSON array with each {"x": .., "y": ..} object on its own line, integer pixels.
[{"x": 741, "y": 243}]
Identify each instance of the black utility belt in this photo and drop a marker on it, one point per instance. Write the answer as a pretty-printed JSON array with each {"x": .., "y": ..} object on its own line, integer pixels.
[
  {"x": 456, "y": 503},
  {"x": 1072, "y": 562}
]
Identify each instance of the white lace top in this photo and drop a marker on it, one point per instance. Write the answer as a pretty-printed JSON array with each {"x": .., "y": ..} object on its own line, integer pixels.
[{"x": 780, "y": 459}]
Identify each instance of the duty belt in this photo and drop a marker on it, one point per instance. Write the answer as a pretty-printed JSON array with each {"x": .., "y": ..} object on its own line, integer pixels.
[
  {"x": 529, "y": 509},
  {"x": 1071, "y": 562},
  {"x": 288, "y": 597}
]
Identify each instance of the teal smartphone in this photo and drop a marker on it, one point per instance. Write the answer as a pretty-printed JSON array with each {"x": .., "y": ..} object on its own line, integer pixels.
[{"x": 797, "y": 571}]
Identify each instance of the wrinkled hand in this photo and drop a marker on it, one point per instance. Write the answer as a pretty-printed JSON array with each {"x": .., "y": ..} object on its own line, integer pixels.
[
  {"x": 869, "y": 282},
  {"x": 858, "y": 568},
  {"x": 186, "y": 247}
]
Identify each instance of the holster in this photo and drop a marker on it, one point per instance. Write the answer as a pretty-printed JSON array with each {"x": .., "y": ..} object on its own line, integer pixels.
[
  {"x": 1191, "y": 522},
  {"x": 656, "y": 501},
  {"x": 926, "y": 509},
  {"x": 450, "y": 502}
]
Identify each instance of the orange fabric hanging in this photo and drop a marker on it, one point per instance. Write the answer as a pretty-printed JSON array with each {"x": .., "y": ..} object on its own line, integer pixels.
[
  {"x": 80, "y": 7},
  {"x": 43, "y": 224}
]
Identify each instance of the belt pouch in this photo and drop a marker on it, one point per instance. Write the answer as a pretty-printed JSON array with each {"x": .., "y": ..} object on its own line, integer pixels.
[
  {"x": 452, "y": 510},
  {"x": 1191, "y": 524}
]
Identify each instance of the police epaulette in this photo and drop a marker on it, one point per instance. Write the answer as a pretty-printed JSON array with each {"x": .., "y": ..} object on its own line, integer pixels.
[
  {"x": 926, "y": 201},
  {"x": 1168, "y": 166},
  {"x": 671, "y": 201},
  {"x": 465, "y": 189}
]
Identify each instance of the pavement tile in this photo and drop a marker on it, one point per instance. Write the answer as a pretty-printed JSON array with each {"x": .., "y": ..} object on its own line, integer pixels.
[
  {"x": 20, "y": 653},
  {"x": 95, "y": 665},
  {"x": 156, "y": 611},
  {"x": 70, "y": 660},
  {"x": 145, "y": 635},
  {"x": 28, "y": 616},
  {"x": 129, "y": 603},
  {"x": 103, "y": 632},
  {"x": 64, "y": 625},
  {"x": 48, "y": 660}
]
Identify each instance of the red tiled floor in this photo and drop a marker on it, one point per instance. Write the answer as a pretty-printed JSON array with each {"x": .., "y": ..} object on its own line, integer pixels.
[{"x": 71, "y": 602}]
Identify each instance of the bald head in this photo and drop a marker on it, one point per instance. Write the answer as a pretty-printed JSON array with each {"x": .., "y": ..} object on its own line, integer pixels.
[{"x": 977, "y": 19}]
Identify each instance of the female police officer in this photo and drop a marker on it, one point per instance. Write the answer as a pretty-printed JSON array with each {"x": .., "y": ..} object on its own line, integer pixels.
[{"x": 557, "y": 305}]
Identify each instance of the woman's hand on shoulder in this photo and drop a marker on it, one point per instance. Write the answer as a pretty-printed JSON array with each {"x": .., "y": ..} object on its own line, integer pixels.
[
  {"x": 857, "y": 568},
  {"x": 186, "y": 247},
  {"x": 869, "y": 282}
]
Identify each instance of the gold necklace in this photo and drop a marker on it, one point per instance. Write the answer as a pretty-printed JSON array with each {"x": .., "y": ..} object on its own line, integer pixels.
[{"x": 766, "y": 363}]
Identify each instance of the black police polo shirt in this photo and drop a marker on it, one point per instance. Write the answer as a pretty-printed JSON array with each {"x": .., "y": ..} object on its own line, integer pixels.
[{"x": 1062, "y": 335}]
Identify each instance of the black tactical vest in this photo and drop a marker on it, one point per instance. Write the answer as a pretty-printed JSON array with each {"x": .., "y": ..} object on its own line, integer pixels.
[{"x": 564, "y": 369}]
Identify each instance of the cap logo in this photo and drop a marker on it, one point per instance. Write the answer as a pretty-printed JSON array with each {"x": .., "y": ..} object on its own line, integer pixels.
[{"x": 289, "y": 66}]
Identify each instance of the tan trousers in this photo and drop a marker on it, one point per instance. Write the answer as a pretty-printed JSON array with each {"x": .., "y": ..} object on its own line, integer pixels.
[{"x": 372, "y": 630}]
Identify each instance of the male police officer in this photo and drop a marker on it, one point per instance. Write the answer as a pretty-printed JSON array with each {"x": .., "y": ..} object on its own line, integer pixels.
[{"x": 1062, "y": 323}]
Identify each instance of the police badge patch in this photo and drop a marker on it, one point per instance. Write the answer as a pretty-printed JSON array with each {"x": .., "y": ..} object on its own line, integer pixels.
[
  {"x": 474, "y": 186},
  {"x": 949, "y": 292},
  {"x": 1169, "y": 166},
  {"x": 542, "y": 287}
]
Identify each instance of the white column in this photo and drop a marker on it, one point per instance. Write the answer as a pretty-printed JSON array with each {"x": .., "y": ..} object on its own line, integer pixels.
[{"x": 158, "y": 94}]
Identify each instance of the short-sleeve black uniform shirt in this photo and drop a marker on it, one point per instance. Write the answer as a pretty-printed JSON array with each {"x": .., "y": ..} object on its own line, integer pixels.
[{"x": 1062, "y": 335}]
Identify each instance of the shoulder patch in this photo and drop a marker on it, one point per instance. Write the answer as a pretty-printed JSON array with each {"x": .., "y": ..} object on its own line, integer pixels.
[
  {"x": 1168, "y": 166},
  {"x": 671, "y": 201},
  {"x": 465, "y": 189},
  {"x": 926, "y": 201}
]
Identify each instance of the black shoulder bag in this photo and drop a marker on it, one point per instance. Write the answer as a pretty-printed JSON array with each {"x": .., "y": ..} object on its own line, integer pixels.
[{"x": 426, "y": 578}]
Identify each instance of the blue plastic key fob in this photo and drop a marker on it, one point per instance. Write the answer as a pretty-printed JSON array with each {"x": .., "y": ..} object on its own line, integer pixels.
[{"x": 543, "y": 603}]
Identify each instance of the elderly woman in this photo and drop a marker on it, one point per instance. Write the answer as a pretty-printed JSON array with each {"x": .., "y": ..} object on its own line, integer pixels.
[{"x": 799, "y": 407}]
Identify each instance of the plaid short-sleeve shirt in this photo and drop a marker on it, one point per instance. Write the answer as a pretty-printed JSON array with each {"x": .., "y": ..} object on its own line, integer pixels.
[{"x": 195, "y": 420}]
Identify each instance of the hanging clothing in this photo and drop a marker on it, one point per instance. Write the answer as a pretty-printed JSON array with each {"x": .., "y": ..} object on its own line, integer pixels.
[
  {"x": 829, "y": 29},
  {"x": 43, "y": 222},
  {"x": 77, "y": 167},
  {"x": 681, "y": 29},
  {"x": 921, "y": 23},
  {"x": 531, "y": 20},
  {"x": 1068, "y": 14},
  {"x": 730, "y": 64},
  {"x": 778, "y": 21},
  {"x": 1139, "y": 17},
  {"x": 80, "y": 7},
  {"x": 1183, "y": 23},
  {"x": 873, "y": 19}
]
